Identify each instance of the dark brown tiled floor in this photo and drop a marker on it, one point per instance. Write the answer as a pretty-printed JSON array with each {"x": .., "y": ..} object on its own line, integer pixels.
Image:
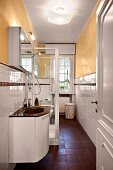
[{"x": 75, "y": 151}]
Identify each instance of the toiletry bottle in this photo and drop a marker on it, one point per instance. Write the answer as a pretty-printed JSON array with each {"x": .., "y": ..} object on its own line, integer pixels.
[{"x": 36, "y": 102}]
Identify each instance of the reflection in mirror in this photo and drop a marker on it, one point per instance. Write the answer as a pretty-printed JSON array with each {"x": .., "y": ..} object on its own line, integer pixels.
[
  {"x": 42, "y": 65},
  {"x": 26, "y": 52}
]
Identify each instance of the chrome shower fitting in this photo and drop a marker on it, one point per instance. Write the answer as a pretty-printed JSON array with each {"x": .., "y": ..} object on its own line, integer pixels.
[
  {"x": 33, "y": 68},
  {"x": 30, "y": 81}
]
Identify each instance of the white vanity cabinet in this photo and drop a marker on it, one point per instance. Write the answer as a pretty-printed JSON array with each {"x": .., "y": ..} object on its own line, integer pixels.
[
  {"x": 42, "y": 136},
  {"x": 28, "y": 138}
]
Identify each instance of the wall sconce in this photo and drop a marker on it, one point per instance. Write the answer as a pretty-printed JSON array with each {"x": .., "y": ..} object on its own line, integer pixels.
[
  {"x": 32, "y": 36},
  {"x": 22, "y": 37},
  {"x": 39, "y": 53}
]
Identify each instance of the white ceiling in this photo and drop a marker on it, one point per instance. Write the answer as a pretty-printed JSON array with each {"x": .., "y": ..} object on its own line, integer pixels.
[{"x": 50, "y": 33}]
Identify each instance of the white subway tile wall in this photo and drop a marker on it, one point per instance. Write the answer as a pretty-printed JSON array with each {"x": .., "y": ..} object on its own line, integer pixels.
[
  {"x": 85, "y": 110},
  {"x": 46, "y": 94},
  {"x": 11, "y": 99}
]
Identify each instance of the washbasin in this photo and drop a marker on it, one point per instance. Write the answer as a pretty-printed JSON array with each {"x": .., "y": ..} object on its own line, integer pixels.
[{"x": 35, "y": 111}]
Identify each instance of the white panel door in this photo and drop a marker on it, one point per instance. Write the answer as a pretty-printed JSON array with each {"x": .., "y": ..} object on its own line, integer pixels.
[{"x": 105, "y": 85}]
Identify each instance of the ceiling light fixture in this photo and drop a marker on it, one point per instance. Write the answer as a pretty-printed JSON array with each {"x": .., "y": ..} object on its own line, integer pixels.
[
  {"x": 22, "y": 37},
  {"x": 59, "y": 18},
  {"x": 59, "y": 15},
  {"x": 39, "y": 54}
]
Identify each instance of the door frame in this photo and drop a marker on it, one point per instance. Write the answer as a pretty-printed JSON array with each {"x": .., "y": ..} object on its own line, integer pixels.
[{"x": 104, "y": 132}]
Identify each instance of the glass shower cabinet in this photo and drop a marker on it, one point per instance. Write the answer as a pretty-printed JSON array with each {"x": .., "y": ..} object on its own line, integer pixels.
[{"x": 45, "y": 84}]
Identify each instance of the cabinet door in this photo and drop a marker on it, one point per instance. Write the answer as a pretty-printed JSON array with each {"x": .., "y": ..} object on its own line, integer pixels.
[
  {"x": 14, "y": 46},
  {"x": 42, "y": 136},
  {"x": 21, "y": 140}
]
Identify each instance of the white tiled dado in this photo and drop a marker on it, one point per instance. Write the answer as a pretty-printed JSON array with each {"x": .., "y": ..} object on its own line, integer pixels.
[
  {"x": 85, "y": 111},
  {"x": 11, "y": 99}
]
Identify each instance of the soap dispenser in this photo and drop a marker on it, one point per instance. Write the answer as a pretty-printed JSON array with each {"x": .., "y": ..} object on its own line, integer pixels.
[{"x": 36, "y": 103}]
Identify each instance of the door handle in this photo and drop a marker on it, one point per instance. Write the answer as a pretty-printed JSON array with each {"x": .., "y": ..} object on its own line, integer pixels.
[{"x": 94, "y": 102}]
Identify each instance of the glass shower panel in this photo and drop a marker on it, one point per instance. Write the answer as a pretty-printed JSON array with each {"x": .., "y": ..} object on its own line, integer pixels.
[
  {"x": 46, "y": 62},
  {"x": 44, "y": 68},
  {"x": 43, "y": 83}
]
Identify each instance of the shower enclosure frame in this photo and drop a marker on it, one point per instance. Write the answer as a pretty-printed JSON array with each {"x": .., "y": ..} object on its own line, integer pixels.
[{"x": 54, "y": 127}]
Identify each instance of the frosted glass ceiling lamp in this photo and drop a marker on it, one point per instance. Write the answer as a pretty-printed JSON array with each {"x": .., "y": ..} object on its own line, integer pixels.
[
  {"x": 39, "y": 54},
  {"x": 59, "y": 17}
]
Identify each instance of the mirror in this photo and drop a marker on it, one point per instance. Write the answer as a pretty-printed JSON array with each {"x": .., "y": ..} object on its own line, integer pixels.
[{"x": 26, "y": 51}]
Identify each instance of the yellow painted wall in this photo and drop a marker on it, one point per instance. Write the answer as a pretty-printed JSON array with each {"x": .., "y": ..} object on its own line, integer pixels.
[
  {"x": 12, "y": 13},
  {"x": 85, "y": 62},
  {"x": 3, "y": 40}
]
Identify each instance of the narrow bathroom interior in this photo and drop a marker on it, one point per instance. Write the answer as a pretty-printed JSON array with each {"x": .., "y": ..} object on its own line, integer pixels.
[{"x": 56, "y": 80}]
